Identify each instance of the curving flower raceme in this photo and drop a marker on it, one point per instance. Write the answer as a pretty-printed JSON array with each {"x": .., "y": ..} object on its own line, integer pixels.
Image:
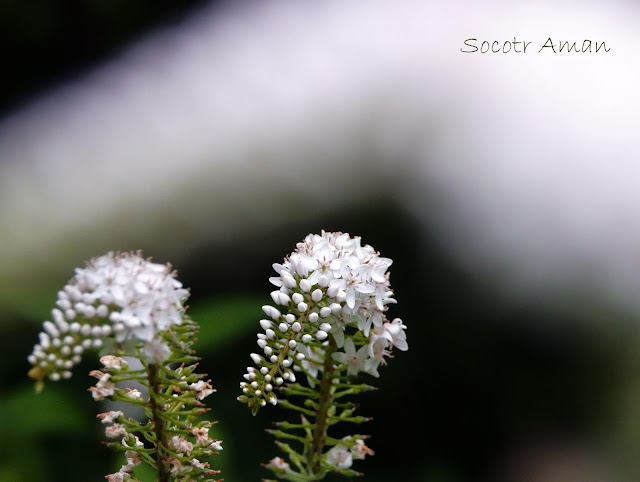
[
  {"x": 330, "y": 288},
  {"x": 119, "y": 296}
]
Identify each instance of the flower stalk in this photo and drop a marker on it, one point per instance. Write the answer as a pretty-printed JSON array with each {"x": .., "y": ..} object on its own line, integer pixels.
[
  {"x": 325, "y": 404},
  {"x": 162, "y": 456}
]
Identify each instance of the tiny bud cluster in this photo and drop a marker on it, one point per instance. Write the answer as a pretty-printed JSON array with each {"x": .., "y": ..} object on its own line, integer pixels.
[
  {"x": 331, "y": 285},
  {"x": 118, "y": 296}
]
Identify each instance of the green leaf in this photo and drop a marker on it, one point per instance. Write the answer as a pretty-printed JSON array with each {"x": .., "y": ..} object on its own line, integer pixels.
[{"x": 143, "y": 472}]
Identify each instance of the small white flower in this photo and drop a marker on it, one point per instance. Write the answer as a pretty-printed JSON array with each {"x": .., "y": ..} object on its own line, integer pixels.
[
  {"x": 313, "y": 363},
  {"x": 117, "y": 477},
  {"x": 337, "y": 331},
  {"x": 133, "y": 458},
  {"x": 104, "y": 387},
  {"x": 278, "y": 463},
  {"x": 109, "y": 417},
  {"x": 360, "y": 450},
  {"x": 339, "y": 457},
  {"x": 115, "y": 431},
  {"x": 203, "y": 389},
  {"x": 155, "y": 352},
  {"x": 199, "y": 465},
  {"x": 133, "y": 393},
  {"x": 177, "y": 468},
  {"x": 181, "y": 445},
  {"x": 379, "y": 341},
  {"x": 398, "y": 336},
  {"x": 354, "y": 360},
  {"x": 202, "y": 435}
]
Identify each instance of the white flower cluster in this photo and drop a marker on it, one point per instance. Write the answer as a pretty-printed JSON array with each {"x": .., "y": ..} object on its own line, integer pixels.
[
  {"x": 118, "y": 295},
  {"x": 330, "y": 285}
]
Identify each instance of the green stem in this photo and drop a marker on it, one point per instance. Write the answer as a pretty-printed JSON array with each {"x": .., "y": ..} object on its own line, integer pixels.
[
  {"x": 154, "y": 393},
  {"x": 325, "y": 400}
]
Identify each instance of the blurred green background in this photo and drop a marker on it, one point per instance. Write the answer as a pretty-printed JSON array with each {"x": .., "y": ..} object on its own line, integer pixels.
[
  {"x": 487, "y": 391},
  {"x": 491, "y": 389}
]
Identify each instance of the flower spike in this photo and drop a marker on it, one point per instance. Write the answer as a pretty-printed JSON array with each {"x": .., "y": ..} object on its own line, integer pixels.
[
  {"x": 328, "y": 323},
  {"x": 129, "y": 306}
]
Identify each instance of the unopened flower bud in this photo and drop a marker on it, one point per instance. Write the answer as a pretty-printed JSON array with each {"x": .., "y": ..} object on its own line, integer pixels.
[
  {"x": 305, "y": 285},
  {"x": 256, "y": 358},
  {"x": 289, "y": 281},
  {"x": 271, "y": 312},
  {"x": 332, "y": 291},
  {"x": 265, "y": 324}
]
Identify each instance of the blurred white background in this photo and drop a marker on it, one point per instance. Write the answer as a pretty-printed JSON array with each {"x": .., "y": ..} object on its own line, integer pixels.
[{"x": 244, "y": 119}]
